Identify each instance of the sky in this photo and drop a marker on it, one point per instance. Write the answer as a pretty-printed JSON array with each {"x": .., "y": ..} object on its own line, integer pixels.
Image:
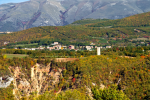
[{"x": 11, "y": 1}]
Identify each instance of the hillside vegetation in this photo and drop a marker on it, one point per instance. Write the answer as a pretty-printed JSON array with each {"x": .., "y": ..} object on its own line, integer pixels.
[
  {"x": 122, "y": 30},
  {"x": 118, "y": 73},
  {"x": 132, "y": 21},
  {"x": 88, "y": 21},
  {"x": 107, "y": 76}
]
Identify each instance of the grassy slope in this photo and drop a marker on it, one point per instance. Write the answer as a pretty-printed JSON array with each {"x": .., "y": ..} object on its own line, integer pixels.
[
  {"x": 88, "y": 21},
  {"x": 16, "y": 55},
  {"x": 132, "y": 21}
]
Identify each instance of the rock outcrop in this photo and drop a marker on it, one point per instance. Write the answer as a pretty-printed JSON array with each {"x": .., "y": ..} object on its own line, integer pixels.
[
  {"x": 41, "y": 77},
  {"x": 5, "y": 81}
]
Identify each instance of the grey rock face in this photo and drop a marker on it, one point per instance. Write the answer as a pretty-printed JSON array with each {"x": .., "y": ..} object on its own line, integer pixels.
[
  {"x": 5, "y": 83},
  {"x": 34, "y": 13}
]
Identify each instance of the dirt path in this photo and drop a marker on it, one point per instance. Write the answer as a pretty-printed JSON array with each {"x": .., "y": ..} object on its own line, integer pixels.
[
  {"x": 126, "y": 57},
  {"x": 65, "y": 59}
]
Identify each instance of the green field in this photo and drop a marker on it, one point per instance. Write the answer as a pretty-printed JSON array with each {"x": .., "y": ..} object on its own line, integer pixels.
[
  {"x": 15, "y": 55},
  {"x": 27, "y": 44}
]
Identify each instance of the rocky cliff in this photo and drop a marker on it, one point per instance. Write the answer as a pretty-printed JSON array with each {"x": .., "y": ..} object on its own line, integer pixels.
[{"x": 42, "y": 78}]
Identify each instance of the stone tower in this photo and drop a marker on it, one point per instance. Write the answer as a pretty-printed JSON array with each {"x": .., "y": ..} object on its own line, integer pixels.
[{"x": 98, "y": 51}]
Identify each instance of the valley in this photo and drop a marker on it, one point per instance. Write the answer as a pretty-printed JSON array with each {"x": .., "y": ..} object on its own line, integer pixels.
[{"x": 61, "y": 62}]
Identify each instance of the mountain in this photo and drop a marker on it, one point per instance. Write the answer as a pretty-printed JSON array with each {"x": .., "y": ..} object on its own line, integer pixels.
[
  {"x": 29, "y": 14},
  {"x": 34, "y": 13}
]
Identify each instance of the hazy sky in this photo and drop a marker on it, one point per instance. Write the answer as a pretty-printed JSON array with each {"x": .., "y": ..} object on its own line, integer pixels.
[{"x": 11, "y": 1}]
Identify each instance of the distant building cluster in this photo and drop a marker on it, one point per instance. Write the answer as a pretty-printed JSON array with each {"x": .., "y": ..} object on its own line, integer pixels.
[{"x": 58, "y": 46}]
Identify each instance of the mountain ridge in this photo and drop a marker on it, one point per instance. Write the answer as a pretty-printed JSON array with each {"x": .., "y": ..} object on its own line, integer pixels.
[{"x": 34, "y": 13}]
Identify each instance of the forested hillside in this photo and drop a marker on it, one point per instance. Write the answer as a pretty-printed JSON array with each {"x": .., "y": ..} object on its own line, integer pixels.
[
  {"x": 107, "y": 32},
  {"x": 100, "y": 77},
  {"x": 132, "y": 21},
  {"x": 88, "y": 21}
]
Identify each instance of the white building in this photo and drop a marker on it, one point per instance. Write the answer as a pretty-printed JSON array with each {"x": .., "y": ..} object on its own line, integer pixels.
[
  {"x": 55, "y": 43},
  {"x": 57, "y": 47},
  {"x": 71, "y": 47},
  {"x": 108, "y": 46},
  {"x": 89, "y": 47},
  {"x": 5, "y": 43},
  {"x": 98, "y": 51},
  {"x": 33, "y": 48}
]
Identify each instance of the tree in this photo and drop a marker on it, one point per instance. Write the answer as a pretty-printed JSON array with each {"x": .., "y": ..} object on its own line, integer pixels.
[
  {"x": 111, "y": 93},
  {"x": 4, "y": 56},
  {"x": 72, "y": 95}
]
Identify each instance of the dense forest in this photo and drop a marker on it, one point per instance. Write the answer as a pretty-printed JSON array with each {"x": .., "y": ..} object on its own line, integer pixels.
[{"x": 121, "y": 78}]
